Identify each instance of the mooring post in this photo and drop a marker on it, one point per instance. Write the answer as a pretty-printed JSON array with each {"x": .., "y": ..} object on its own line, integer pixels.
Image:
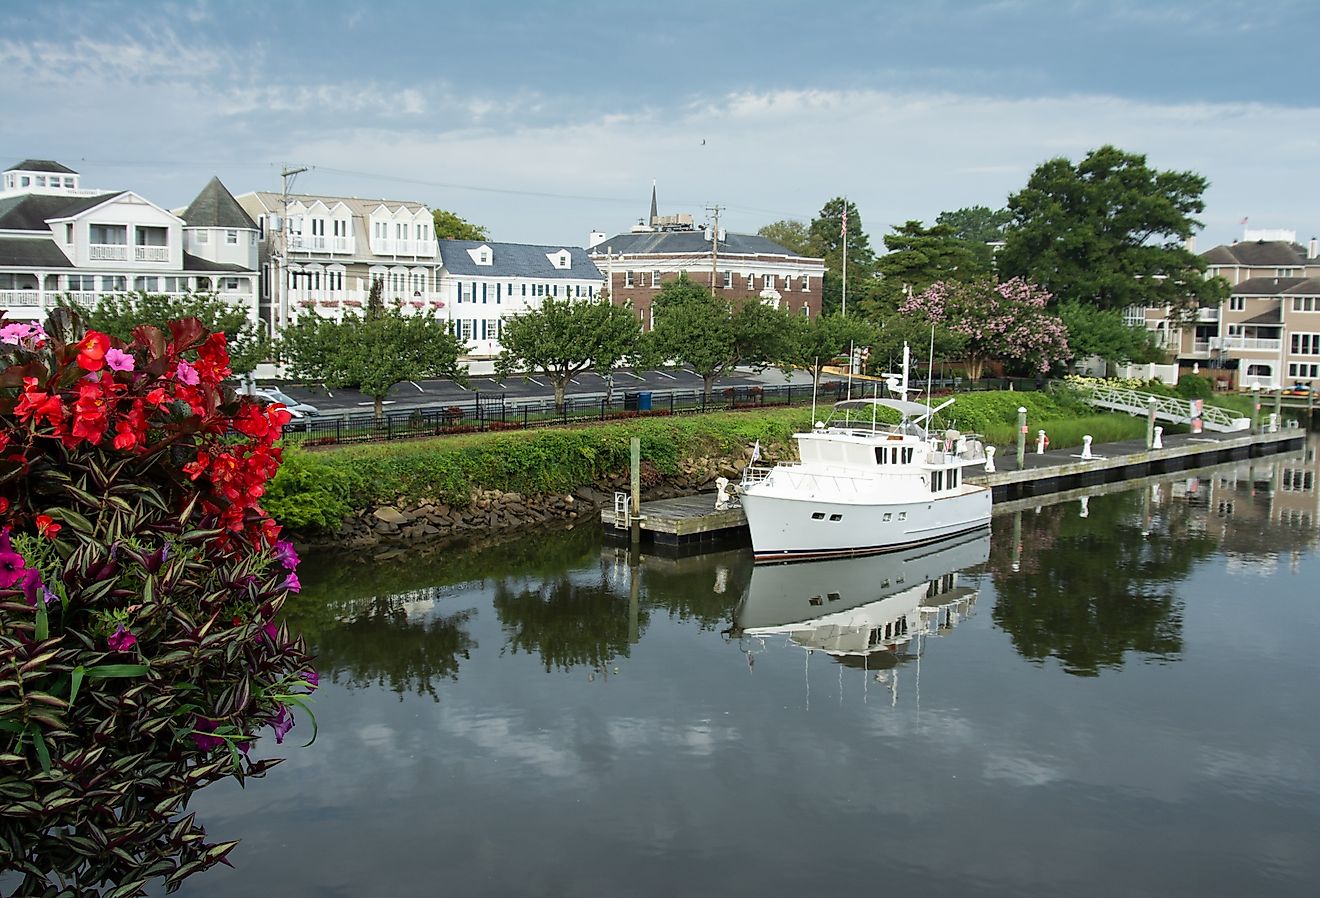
[
  {"x": 1022, "y": 437},
  {"x": 1041, "y": 442},
  {"x": 634, "y": 593},
  {"x": 1255, "y": 408},
  {"x": 1158, "y": 441},
  {"x": 636, "y": 447},
  {"x": 1278, "y": 407},
  {"x": 1150, "y": 422},
  {"x": 989, "y": 459}
]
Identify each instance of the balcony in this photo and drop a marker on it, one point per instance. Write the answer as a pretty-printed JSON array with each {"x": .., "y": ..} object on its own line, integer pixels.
[
  {"x": 1258, "y": 344},
  {"x": 151, "y": 254},
  {"x": 108, "y": 252},
  {"x": 319, "y": 243},
  {"x": 20, "y": 297},
  {"x": 1207, "y": 316},
  {"x": 385, "y": 246},
  {"x": 1203, "y": 346}
]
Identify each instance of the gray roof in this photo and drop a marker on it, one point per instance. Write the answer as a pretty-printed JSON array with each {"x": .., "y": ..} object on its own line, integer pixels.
[
  {"x": 1269, "y": 316},
  {"x": 29, "y": 252},
  {"x": 215, "y": 207},
  {"x": 690, "y": 243},
  {"x": 1258, "y": 252},
  {"x": 41, "y": 165},
  {"x": 1269, "y": 286},
  {"x": 516, "y": 260},
  {"x": 31, "y": 211},
  {"x": 197, "y": 263}
]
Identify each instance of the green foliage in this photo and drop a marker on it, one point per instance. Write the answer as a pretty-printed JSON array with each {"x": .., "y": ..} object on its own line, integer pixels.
[
  {"x": 117, "y": 315},
  {"x": 827, "y": 241},
  {"x": 1193, "y": 386},
  {"x": 449, "y": 226},
  {"x": 1109, "y": 231},
  {"x": 790, "y": 234},
  {"x": 816, "y": 341},
  {"x": 565, "y": 337},
  {"x": 918, "y": 257},
  {"x": 1093, "y": 331},
  {"x": 307, "y": 493},
  {"x": 373, "y": 352},
  {"x": 978, "y": 227}
]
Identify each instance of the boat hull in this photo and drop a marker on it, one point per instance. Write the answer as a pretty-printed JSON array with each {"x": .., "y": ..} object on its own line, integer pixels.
[{"x": 793, "y": 528}]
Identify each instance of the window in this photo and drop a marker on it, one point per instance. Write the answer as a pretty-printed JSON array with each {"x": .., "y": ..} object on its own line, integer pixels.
[
  {"x": 1298, "y": 480},
  {"x": 806, "y": 282},
  {"x": 485, "y": 258},
  {"x": 1285, "y": 272},
  {"x": 936, "y": 481},
  {"x": 655, "y": 279},
  {"x": 41, "y": 180},
  {"x": 902, "y": 515},
  {"x": 150, "y": 236},
  {"x": 1237, "y": 303},
  {"x": 68, "y": 182},
  {"x": 1258, "y": 371},
  {"x": 81, "y": 283},
  {"x": 68, "y": 233},
  {"x": 806, "y": 311},
  {"x": 627, "y": 279},
  {"x": 818, "y": 515},
  {"x": 1303, "y": 371},
  {"x": 769, "y": 281},
  {"x": 888, "y": 516},
  {"x": 1306, "y": 344},
  {"x": 728, "y": 280},
  {"x": 750, "y": 279},
  {"x": 109, "y": 235},
  {"x": 318, "y": 230},
  {"x": 175, "y": 285},
  {"x": 145, "y": 284},
  {"x": 113, "y": 283},
  {"x": 836, "y": 517},
  {"x": 340, "y": 227},
  {"x": 203, "y": 236}
]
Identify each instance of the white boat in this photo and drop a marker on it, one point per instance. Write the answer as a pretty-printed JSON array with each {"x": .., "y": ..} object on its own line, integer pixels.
[
  {"x": 856, "y": 607},
  {"x": 864, "y": 486}
]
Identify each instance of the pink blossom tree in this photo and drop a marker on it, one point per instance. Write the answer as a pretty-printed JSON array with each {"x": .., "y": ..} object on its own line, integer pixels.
[{"x": 999, "y": 321}]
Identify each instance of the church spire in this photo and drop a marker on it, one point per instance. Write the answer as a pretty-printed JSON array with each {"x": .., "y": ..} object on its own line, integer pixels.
[{"x": 655, "y": 213}]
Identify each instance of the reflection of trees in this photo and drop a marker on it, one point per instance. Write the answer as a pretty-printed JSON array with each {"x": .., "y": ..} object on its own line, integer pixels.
[
  {"x": 375, "y": 640},
  {"x": 568, "y": 623},
  {"x": 1091, "y": 589},
  {"x": 701, "y": 588}
]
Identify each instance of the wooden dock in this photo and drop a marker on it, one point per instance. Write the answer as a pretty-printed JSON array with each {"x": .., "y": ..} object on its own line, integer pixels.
[{"x": 693, "y": 523}]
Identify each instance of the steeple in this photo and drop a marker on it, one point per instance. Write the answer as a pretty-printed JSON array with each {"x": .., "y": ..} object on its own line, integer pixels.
[{"x": 655, "y": 213}]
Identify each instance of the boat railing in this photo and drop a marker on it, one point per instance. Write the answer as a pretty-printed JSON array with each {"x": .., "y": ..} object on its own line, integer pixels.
[{"x": 756, "y": 473}]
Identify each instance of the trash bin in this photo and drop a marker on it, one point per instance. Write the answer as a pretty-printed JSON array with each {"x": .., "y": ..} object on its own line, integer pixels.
[
  {"x": 630, "y": 401},
  {"x": 644, "y": 401}
]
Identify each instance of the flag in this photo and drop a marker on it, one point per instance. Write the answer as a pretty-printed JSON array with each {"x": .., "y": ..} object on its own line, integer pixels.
[
  {"x": 756, "y": 452},
  {"x": 844, "y": 231},
  {"x": 1243, "y": 221}
]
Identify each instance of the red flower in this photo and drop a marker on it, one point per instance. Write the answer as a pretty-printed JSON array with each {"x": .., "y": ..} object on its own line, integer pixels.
[
  {"x": 47, "y": 527},
  {"x": 91, "y": 351}
]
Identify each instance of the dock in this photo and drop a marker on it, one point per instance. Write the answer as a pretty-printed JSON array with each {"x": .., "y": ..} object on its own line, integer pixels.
[{"x": 693, "y": 523}]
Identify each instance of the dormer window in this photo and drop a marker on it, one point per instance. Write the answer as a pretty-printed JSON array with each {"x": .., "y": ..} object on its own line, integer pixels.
[
  {"x": 231, "y": 237},
  {"x": 485, "y": 258}
]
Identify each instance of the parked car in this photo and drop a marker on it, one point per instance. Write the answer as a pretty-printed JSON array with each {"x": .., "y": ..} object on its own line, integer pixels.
[{"x": 296, "y": 408}]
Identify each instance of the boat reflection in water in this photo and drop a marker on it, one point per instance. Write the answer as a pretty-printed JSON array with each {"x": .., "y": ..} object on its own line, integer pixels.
[{"x": 864, "y": 612}]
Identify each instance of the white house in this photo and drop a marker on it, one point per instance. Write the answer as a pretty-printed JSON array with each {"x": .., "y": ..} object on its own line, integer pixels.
[
  {"x": 483, "y": 283},
  {"x": 57, "y": 238}
]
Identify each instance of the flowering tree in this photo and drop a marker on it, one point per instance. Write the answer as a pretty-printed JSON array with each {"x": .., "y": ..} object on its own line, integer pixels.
[
  {"x": 139, "y": 585},
  {"x": 999, "y": 320}
]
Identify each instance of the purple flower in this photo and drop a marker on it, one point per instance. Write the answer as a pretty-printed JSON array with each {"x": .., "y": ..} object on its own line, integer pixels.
[
  {"x": 32, "y": 586},
  {"x": 271, "y": 630},
  {"x": 281, "y": 724},
  {"x": 12, "y": 564},
  {"x": 17, "y": 332},
  {"x": 186, "y": 374},
  {"x": 202, "y": 727},
  {"x": 311, "y": 678},
  {"x": 285, "y": 554},
  {"x": 118, "y": 360},
  {"x": 121, "y": 640},
  {"x": 291, "y": 583}
]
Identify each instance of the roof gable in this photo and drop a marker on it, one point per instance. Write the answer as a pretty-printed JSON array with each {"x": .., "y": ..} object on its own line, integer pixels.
[
  {"x": 35, "y": 211},
  {"x": 46, "y": 165},
  {"x": 215, "y": 207}
]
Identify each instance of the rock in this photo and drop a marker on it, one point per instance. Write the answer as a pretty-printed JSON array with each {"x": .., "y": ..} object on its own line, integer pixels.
[{"x": 390, "y": 515}]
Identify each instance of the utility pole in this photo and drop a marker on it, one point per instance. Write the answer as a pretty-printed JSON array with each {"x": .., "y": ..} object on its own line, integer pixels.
[
  {"x": 282, "y": 258},
  {"x": 714, "y": 248}
]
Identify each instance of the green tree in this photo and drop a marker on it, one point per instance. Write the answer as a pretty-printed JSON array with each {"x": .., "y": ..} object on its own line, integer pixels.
[
  {"x": 449, "y": 226},
  {"x": 816, "y": 342},
  {"x": 827, "y": 241},
  {"x": 1110, "y": 231},
  {"x": 1100, "y": 332},
  {"x": 118, "y": 313},
  {"x": 566, "y": 337},
  {"x": 918, "y": 257},
  {"x": 373, "y": 352},
  {"x": 694, "y": 328},
  {"x": 895, "y": 330},
  {"x": 978, "y": 227},
  {"x": 790, "y": 234}
]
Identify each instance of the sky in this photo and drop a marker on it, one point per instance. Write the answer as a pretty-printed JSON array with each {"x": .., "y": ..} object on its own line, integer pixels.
[{"x": 545, "y": 121}]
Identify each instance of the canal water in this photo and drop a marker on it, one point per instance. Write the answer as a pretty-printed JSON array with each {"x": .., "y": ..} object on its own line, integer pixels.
[{"x": 1110, "y": 695}]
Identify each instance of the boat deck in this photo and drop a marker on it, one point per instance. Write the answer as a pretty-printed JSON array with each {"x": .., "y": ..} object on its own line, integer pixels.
[{"x": 692, "y": 523}]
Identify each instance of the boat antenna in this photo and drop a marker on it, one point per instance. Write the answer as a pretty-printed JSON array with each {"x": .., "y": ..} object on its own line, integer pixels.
[{"x": 930, "y": 372}]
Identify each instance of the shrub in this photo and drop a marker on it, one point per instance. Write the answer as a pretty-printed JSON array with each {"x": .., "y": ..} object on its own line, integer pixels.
[
  {"x": 139, "y": 584},
  {"x": 1193, "y": 386}
]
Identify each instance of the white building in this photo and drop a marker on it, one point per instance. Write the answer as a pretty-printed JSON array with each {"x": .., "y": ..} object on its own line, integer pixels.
[
  {"x": 483, "y": 283},
  {"x": 57, "y": 238}
]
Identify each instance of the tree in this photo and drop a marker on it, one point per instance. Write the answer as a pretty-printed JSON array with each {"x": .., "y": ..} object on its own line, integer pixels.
[
  {"x": 1110, "y": 231},
  {"x": 790, "y": 234},
  {"x": 827, "y": 241},
  {"x": 816, "y": 342},
  {"x": 998, "y": 320},
  {"x": 895, "y": 330},
  {"x": 694, "y": 328},
  {"x": 373, "y": 352},
  {"x": 565, "y": 337},
  {"x": 118, "y": 313},
  {"x": 449, "y": 226},
  {"x": 918, "y": 257},
  {"x": 1099, "y": 332},
  {"x": 978, "y": 227}
]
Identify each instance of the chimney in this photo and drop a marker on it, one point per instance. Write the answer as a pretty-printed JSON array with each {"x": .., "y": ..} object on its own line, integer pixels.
[
  {"x": 1313, "y": 249},
  {"x": 1190, "y": 244},
  {"x": 594, "y": 239}
]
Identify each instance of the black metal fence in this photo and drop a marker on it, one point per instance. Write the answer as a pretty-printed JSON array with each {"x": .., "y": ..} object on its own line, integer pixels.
[{"x": 486, "y": 412}]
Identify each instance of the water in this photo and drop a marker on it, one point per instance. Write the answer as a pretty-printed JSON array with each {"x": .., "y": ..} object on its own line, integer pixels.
[{"x": 1115, "y": 696}]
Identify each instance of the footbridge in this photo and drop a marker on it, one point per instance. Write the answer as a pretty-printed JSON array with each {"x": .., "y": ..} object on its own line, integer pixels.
[{"x": 1167, "y": 408}]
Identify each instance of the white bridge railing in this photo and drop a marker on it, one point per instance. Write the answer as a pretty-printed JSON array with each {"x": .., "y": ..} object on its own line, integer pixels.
[{"x": 1167, "y": 408}]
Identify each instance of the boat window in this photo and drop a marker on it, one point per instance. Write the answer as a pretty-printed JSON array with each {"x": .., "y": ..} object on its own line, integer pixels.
[
  {"x": 834, "y": 597},
  {"x": 818, "y": 515},
  {"x": 907, "y": 456},
  {"x": 888, "y": 516},
  {"x": 936, "y": 481},
  {"x": 880, "y": 453},
  {"x": 953, "y": 477},
  {"x": 836, "y": 517},
  {"x": 816, "y": 600},
  {"x": 902, "y": 515}
]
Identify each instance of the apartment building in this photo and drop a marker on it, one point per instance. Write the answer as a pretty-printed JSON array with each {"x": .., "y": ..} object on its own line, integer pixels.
[
  {"x": 738, "y": 267},
  {"x": 1267, "y": 333},
  {"x": 321, "y": 254},
  {"x": 483, "y": 283},
  {"x": 58, "y": 238}
]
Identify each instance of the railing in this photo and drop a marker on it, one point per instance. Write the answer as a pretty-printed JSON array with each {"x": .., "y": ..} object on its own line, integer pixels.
[
  {"x": 1202, "y": 345},
  {"x": 1207, "y": 316},
  {"x": 1167, "y": 408},
  {"x": 319, "y": 243},
  {"x": 20, "y": 297},
  {"x": 388, "y": 246},
  {"x": 108, "y": 252},
  {"x": 151, "y": 253},
  {"x": 1259, "y": 343}
]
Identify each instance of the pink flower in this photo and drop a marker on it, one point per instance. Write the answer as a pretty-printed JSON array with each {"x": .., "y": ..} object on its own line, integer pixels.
[
  {"x": 118, "y": 360},
  {"x": 121, "y": 640},
  {"x": 186, "y": 374}
]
